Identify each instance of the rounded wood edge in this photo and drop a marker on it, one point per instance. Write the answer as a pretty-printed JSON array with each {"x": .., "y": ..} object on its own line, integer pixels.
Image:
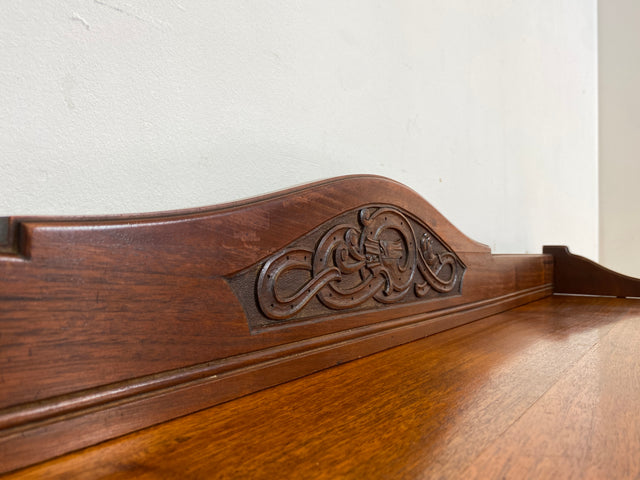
[{"x": 351, "y": 191}]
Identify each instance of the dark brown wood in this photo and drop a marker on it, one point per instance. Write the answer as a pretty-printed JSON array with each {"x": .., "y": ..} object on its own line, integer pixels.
[
  {"x": 546, "y": 390},
  {"x": 8, "y": 236},
  {"x": 365, "y": 259},
  {"x": 579, "y": 275},
  {"x": 109, "y": 325},
  {"x": 4, "y": 233}
]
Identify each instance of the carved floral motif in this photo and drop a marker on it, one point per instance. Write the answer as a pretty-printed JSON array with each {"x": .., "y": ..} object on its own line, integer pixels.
[{"x": 376, "y": 257}]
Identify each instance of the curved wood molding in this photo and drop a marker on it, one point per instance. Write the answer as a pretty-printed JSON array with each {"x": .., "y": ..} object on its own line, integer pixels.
[
  {"x": 109, "y": 325},
  {"x": 579, "y": 275}
]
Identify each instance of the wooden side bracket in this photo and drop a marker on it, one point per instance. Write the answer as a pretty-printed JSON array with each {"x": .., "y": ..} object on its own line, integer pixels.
[{"x": 579, "y": 275}]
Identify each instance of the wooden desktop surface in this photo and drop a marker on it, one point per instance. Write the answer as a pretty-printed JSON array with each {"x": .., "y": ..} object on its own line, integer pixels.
[{"x": 547, "y": 390}]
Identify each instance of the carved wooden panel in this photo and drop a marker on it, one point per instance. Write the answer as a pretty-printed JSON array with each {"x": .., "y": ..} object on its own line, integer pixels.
[{"x": 366, "y": 258}]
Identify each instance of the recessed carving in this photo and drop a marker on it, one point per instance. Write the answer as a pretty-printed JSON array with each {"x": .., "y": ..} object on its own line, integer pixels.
[{"x": 374, "y": 256}]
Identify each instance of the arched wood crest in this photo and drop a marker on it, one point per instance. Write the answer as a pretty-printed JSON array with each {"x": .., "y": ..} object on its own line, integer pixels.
[{"x": 131, "y": 321}]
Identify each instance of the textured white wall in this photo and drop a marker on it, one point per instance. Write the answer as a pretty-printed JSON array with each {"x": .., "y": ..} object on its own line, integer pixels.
[
  {"x": 619, "y": 27},
  {"x": 488, "y": 109}
]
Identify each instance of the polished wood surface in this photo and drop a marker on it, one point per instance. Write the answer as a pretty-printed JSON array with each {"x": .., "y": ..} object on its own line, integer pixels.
[
  {"x": 110, "y": 325},
  {"x": 546, "y": 390},
  {"x": 579, "y": 275}
]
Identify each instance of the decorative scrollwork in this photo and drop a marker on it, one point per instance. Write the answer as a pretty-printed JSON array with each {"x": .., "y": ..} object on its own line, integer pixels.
[{"x": 376, "y": 258}]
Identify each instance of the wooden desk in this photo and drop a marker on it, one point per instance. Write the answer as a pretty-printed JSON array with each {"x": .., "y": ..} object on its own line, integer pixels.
[{"x": 546, "y": 388}]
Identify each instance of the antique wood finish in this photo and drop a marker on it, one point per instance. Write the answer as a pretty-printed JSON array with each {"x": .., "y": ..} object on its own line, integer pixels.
[
  {"x": 545, "y": 390},
  {"x": 110, "y": 325},
  {"x": 579, "y": 275}
]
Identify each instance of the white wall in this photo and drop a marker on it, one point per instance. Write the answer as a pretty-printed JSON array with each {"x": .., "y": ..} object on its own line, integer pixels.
[
  {"x": 619, "y": 32},
  {"x": 488, "y": 109}
]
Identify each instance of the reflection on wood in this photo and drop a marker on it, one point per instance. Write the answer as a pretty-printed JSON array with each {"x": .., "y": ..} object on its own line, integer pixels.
[{"x": 547, "y": 390}]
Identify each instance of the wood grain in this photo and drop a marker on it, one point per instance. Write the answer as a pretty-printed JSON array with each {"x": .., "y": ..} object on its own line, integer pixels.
[
  {"x": 586, "y": 425},
  {"x": 109, "y": 325},
  {"x": 98, "y": 301},
  {"x": 546, "y": 390},
  {"x": 578, "y": 275}
]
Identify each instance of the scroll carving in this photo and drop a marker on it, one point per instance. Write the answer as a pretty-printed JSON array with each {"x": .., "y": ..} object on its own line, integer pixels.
[{"x": 377, "y": 257}]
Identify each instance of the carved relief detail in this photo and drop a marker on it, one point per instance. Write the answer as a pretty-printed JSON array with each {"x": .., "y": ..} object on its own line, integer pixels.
[{"x": 377, "y": 256}]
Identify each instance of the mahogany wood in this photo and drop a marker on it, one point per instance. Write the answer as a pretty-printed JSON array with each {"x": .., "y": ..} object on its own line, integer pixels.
[
  {"x": 112, "y": 325},
  {"x": 587, "y": 424},
  {"x": 109, "y": 325},
  {"x": 579, "y": 275},
  {"x": 546, "y": 390}
]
